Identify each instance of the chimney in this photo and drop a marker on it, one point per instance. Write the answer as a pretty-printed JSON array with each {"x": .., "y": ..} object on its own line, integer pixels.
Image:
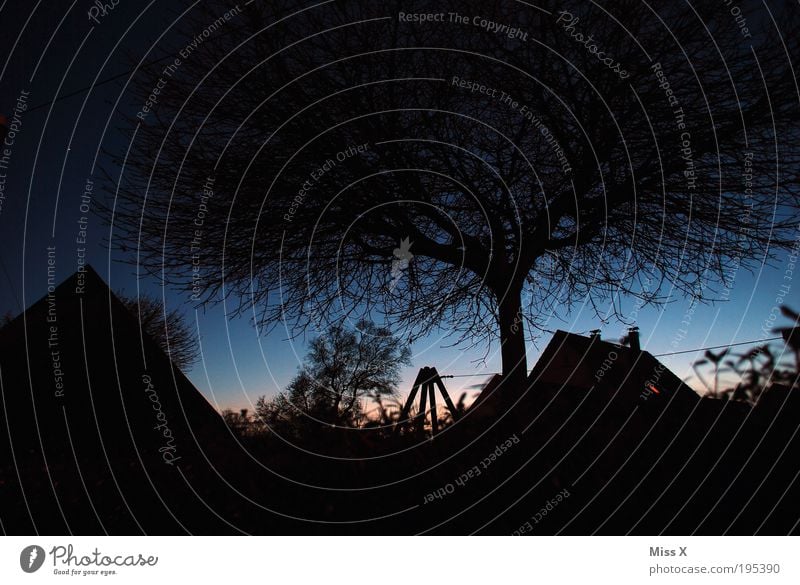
[{"x": 633, "y": 339}]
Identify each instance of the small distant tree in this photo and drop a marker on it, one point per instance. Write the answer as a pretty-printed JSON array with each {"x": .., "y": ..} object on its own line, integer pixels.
[
  {"x": 169, "y": 329},
  {"x": 344, "y": 367}
]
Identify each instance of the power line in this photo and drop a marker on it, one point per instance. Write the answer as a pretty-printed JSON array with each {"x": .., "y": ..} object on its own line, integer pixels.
[
  {"x": 718, "y": 346},
  {"x": 655, "y": 355}
]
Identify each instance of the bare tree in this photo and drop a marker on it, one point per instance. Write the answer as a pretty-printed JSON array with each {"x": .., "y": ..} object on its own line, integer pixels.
[
  {"x": 168, "y": 328},
  {"x": 458, "y": 175},
  {"x": 344, "y": 367}
]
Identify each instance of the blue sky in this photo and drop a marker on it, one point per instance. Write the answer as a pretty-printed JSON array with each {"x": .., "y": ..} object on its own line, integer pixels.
[
  {"x": 56, "y": 150},
  {"x": 239, "y": 365}
]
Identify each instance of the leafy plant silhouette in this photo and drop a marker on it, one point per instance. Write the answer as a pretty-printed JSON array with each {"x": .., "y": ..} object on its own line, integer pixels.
[
  {"x": 715, "y": 359},
  {"x": 759, "y": 369}
]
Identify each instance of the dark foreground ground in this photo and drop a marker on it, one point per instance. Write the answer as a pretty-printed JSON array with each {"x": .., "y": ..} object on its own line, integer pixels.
[
  {"x": 585, "y": 465},
  {"x": 95, "y": 457}
]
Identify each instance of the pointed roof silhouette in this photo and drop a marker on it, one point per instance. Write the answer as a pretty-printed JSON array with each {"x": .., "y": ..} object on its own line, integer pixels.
[{"x": 100, "y": 429}]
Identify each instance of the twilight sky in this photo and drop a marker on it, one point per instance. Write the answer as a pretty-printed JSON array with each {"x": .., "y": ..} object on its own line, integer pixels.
[{"x": 50, "y": 52}]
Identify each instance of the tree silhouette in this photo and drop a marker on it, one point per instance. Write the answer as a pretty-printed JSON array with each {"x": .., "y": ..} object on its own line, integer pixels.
[
  {"x": 343, "y": 367},
  {"x": 241, "y": 423},
  {"x": 345, "y": 161},
  {"x": 168, "y": 328}
]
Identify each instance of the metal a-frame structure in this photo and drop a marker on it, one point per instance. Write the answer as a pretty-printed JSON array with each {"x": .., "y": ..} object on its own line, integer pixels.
[{"x": 426, "y": 382}]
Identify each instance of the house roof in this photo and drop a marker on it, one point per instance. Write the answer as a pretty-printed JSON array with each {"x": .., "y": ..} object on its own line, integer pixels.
[{"x": 585, "y": 362}]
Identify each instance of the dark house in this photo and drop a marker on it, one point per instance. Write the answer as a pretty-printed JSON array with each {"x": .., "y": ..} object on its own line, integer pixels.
[
  {"x": 641, "y": 451},
  {"x": 573, "y": 363},
  {"x": 586, "y": 362}
]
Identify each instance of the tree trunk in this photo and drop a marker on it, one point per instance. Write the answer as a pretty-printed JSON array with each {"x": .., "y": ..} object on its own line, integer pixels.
[
  {"x": 335, "y": 409},
  {"x": 512, "y": 338}
]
